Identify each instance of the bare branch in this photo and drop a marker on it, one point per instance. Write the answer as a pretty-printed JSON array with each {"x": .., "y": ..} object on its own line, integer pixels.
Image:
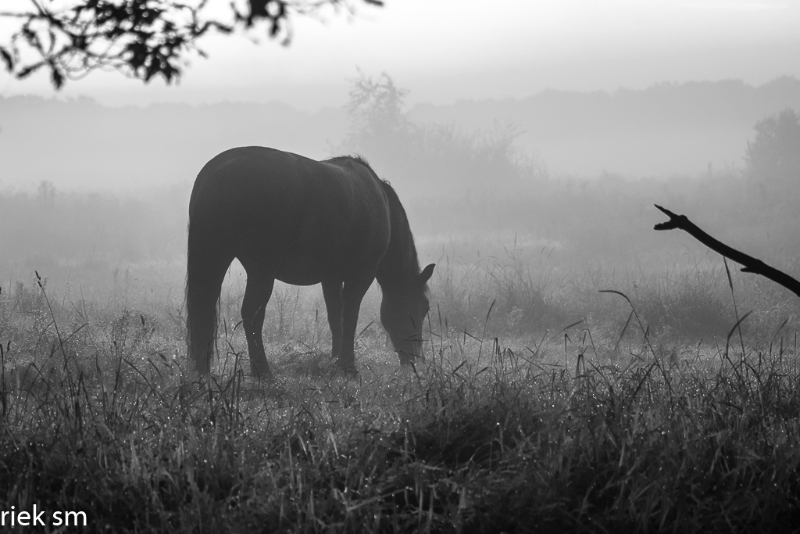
[{"x": 751, "y": 265}]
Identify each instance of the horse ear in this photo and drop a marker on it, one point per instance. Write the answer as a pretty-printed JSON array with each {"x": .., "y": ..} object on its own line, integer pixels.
[{"x": 426, "y": 274}]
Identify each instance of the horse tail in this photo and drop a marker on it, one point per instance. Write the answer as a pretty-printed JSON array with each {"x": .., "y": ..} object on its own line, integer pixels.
[{"x": 206, "y": 265}]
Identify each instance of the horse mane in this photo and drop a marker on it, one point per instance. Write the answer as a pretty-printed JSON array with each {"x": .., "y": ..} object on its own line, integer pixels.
[
  {"x": 402, "y": 241},
  {"x": 402, "y": 254}
]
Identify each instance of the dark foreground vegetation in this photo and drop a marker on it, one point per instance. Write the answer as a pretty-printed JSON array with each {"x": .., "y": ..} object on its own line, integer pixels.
[{"x": 586, "y": 430}]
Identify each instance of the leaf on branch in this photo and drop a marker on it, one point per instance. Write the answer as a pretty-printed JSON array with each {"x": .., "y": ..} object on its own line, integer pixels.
[
  {"x": 27, "y": 71},
  {"x": 273, "y": 10},
  {"x": 79, "y": 42},
  {"x": 56, "y": 76},
  {"x": 152, "y": 69},
  {"x": 7, "y": 59}
]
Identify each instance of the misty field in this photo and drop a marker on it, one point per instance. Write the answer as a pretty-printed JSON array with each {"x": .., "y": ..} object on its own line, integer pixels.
[
  {"x": 542, "y": 405},
  {"x": 581, "y": 372}
]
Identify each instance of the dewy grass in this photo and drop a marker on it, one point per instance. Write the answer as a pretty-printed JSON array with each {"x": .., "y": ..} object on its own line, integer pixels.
[{"x": 484, "y": 435}]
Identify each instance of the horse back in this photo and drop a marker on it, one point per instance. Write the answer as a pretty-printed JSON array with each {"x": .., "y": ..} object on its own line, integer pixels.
[{"x": 300, "y": 219}]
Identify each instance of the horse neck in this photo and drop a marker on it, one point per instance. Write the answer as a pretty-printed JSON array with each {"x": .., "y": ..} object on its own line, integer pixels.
[
  {"x": 399, "y": 265},
  {"x": 396, "y": 273}
]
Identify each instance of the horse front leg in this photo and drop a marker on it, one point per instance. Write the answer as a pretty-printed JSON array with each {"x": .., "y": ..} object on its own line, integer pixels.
[
  {"x": 254, "y": 304},
  {"x": 332, "y": 292},
  {"x": 353, "y": 292}
]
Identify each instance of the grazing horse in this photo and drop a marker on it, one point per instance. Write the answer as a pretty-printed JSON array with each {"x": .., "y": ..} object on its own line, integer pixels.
[{"x": 303, "y": 222}]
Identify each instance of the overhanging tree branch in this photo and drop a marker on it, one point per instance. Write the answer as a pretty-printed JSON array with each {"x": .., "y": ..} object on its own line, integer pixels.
[
  {"x": 751, "y": 265},
  {"x": 142, "y": 38}
]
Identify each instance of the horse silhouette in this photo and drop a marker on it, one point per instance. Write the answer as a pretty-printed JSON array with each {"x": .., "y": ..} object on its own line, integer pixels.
[{"x": 289, "y": 218}]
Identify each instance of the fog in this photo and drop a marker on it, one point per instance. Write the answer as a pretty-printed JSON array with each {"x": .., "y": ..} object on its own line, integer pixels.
[
  {"x": 535, "y": 359},
  {"x": 89, "y": 189},
  {"x": 448, "y": 50},
  {"x": 668, "y": 129},
  {"x": 543, "y": 135}
]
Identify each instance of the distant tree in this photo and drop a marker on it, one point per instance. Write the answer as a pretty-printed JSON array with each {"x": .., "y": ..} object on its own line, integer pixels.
[
  {"x": 434, "y": 155},
  {"x": 774, "y": 155},
  {"x": 142, "y": 38},
  {"x": 378, "y": 125},
  {"x": 46, "y": 192}
]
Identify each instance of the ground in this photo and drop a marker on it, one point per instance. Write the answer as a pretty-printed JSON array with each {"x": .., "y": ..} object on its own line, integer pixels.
[{"x": 540, "y": 406}]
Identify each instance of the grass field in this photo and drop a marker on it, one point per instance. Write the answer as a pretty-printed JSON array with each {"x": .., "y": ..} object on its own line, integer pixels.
[
  {"x": 582, "y": 373},
  {"x": 542, "y": 405}
]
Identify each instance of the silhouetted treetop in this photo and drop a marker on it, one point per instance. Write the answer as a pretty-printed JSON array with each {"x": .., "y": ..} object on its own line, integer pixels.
[
  {"x": 142, "y": 38},
  {"x": 774, "y": 154},
  {"x": 432, "y": 155}
]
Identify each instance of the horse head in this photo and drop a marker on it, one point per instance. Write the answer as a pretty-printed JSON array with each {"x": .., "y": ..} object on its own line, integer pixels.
[{"x": 403, "y": 310}]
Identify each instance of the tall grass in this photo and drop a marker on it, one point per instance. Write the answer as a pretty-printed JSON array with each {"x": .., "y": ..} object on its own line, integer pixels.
[{"x": 583, "y": 429}]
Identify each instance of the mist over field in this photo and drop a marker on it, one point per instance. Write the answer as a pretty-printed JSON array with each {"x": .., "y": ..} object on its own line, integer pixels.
[
  {"x": 569, "y": 176},
  {"x": 554, "y": 191},
  {"x": 578, "y": 371},
  {"x": 663, "y": 131}
]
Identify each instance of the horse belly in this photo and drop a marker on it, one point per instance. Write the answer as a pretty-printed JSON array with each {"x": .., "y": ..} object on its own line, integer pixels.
[
  {"x": 334, "y": 244},
  {"x": 312, "y": 263},
  {"x": 305, "y": 268}
]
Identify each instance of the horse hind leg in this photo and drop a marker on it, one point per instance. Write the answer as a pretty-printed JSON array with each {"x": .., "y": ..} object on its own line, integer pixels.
[
  {"x": 254, "y": 305},
  {"x": 205, "y": 273}
]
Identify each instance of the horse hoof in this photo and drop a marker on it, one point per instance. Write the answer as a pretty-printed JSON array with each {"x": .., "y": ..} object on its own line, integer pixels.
[
  {"x": 261, "y": 373},
  {"x": 348, "y": 370},
  {"x": 408, "y": 361}
]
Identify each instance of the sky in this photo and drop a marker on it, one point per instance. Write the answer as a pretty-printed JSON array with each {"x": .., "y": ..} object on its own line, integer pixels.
[{"x": 443, "y": 51}]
